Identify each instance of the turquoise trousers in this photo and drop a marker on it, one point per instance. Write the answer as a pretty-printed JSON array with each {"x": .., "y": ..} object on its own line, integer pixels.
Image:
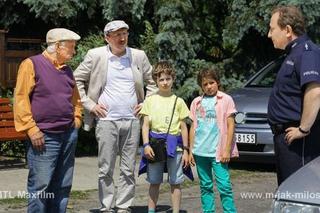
[{"x": 206, "y": 167}]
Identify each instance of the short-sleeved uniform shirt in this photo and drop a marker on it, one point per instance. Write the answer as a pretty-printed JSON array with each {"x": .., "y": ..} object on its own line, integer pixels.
[{"x": 300, "y": 67}]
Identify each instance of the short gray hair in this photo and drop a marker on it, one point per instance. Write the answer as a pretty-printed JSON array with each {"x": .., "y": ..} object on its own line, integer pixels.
[{"x": 51, "y": 48}]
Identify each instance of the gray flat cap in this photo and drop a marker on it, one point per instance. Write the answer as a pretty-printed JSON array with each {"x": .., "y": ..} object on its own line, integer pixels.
[
  {"x": 61, "y": 34},
  {"x": 114, "y": 26}
]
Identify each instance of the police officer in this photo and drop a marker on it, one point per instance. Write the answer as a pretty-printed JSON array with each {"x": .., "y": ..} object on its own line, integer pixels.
[{"x": 295, "y": 98}]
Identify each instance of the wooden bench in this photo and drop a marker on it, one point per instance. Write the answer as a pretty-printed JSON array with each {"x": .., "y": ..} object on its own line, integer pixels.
[{"x": 7, "y": 130}]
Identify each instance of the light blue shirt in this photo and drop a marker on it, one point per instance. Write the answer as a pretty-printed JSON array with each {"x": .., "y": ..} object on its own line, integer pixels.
[{"x": 207, "y": 132}]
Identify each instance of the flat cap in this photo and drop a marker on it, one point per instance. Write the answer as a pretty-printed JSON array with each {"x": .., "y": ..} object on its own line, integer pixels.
[
  {"x": 61, "y": 34},
  {"x": 114, "y": 26}
]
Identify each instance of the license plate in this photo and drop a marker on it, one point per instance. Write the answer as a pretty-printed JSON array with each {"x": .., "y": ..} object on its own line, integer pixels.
[{"x": 248, "y": 138}]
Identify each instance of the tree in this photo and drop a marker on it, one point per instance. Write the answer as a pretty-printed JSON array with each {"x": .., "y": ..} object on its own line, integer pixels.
[
  {"x": 230, "y": 34},
  {"x": 173, "y": 40},
  {"x": 84, "y": 16},
  {"x": 246, "y": 27}
]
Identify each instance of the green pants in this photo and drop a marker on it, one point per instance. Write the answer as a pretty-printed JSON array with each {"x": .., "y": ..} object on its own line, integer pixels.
[{"x": 206, "y": 166}]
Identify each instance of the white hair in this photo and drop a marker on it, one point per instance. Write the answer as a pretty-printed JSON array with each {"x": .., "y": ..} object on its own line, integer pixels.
[{"x": 51, "y": 48}]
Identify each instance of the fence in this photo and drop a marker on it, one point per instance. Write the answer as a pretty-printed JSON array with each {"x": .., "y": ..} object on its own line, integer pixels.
[{"x": 12, "y": 52}]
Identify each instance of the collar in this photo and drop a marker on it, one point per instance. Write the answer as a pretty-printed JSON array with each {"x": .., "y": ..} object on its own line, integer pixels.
[
  {"x": 296, "y": 42},
  {"x": 219, "y": 96},
  {"x": 112, "y": 56},
  {"x": 53, "y": 60}
]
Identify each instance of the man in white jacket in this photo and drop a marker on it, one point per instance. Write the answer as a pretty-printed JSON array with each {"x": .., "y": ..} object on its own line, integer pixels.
[{"x": 111, "y": 83}]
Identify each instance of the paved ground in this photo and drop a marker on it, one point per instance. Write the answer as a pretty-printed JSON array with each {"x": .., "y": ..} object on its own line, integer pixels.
[{"x": 251, "y": 181}]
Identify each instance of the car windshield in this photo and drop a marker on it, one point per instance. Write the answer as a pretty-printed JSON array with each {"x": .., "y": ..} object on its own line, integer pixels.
[{"x": 266, "y": 77}]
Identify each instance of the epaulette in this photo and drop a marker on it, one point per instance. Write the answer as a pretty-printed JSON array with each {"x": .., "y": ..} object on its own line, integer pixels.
[{"x": 307, "y": 46}]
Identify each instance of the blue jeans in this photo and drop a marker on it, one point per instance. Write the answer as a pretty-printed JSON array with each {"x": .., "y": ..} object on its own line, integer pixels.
[
  {"x": 51, "y": 172},
  {"x": 206, "y": 166}
]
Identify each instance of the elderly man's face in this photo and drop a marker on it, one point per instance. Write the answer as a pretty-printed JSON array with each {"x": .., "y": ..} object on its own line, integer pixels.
[
  {"x": 66, "y": 50},
  {"x": 279, "y": 37},
  {"x": 118, "y": 41}
]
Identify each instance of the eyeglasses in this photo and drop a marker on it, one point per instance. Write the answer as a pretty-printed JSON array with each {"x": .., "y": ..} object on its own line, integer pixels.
[{"x": 119, "y": 34}]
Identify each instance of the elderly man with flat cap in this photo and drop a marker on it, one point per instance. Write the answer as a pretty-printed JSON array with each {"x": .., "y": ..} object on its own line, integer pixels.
[
  {"x": 47, "y": 107},
  {"x": 111, "y": 82}
]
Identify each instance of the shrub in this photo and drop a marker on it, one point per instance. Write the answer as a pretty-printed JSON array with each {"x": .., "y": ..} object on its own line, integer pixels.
[{"x": 89, "y": 42}]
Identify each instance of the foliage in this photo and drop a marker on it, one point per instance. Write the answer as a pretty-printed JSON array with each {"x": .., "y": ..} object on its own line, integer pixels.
[
  {"x": 58, "y": 9},
  {"x": 115, "y": 9},
  {"x": 13, "y": 148},
  {"x": 174, "y": 39},
  {"x": 190, "y": 88},
  {"x": 92, "y": 14},
  {"x": 246, "y": 15},
  {"x": 179, "y": 30},
  {"x": 231, "y": 35},
  {"x": 91, "y": 41},
  {"x": 232, "y": 82},
  {"x": 10, "y": 11},
  {"x": 147, "y": 41},
  {"x": 208, "y": 22},
  {"x": 6, "y": 93}
]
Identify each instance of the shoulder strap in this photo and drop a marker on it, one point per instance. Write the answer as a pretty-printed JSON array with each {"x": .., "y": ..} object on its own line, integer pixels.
[{"x": 174, "y": 107}]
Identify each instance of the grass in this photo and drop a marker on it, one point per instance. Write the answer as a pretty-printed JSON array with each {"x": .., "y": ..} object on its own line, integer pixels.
[
  {"x": 80, "y": 195},
  {"x": 76, "y": 196},
  {"x": 14, "y": 200},
  {"x": 14, "y": 203}
]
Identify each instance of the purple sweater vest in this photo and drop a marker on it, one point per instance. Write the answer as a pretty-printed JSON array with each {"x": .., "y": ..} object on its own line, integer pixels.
[{"x": 51, "y": 98}]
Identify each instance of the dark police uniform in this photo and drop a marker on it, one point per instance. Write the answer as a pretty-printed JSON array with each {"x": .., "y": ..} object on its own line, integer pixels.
[{"x": 300, "y": 67}]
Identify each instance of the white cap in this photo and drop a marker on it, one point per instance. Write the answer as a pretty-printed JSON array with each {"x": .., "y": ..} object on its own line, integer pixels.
[
  {"x": 61, "y": 34},
  {"x": 114, "y": 26}
]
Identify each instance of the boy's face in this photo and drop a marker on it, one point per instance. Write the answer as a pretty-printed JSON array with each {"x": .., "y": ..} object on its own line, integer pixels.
[
  {"x": 164, "y": 82},
  {"x": 209, "y": 86}
]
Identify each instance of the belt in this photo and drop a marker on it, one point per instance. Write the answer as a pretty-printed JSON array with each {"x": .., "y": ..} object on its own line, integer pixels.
[{"x": 280, "y": 128}]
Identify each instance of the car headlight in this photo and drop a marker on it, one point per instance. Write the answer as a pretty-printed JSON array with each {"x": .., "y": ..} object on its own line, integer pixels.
[
  {"x": 289, "y": 207},
  {"x": 239, "y": 118}
]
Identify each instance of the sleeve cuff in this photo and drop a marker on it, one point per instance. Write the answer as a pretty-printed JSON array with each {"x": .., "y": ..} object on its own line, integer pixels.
[{"x": 33, "y": 130}]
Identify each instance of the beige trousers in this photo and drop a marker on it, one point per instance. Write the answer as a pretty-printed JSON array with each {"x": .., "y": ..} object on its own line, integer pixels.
[{"x": 117, "y": 137}]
